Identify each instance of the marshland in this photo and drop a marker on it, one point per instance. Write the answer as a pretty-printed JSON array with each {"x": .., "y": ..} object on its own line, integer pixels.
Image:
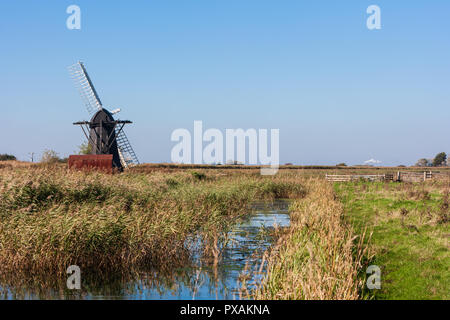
[{"x": 195, "y": 232}]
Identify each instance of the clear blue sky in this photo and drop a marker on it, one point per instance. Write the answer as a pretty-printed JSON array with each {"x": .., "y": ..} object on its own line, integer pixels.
[{"x": 337, "y": 91}]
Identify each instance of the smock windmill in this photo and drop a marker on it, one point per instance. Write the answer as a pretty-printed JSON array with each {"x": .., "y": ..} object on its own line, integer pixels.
[{"x": 105, "y": 135}]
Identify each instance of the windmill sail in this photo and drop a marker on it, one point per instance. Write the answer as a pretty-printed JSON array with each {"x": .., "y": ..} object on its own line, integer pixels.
[
  {"x": 85, "y": 87},
  {"x": 126, "y": 152}
]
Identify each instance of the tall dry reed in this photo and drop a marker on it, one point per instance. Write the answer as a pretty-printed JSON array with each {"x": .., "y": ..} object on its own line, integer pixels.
[
  {"x": 319, "y": 257},
  {"x": 51, "y": 218}
]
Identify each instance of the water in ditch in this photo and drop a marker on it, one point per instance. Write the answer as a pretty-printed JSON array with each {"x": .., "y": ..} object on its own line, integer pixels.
[{"x": 240, "y": 261}]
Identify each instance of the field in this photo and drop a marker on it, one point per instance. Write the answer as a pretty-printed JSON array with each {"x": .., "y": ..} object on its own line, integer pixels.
[
  {"x": 410, "y": 226},
  {"x": 141, "y": 220}
]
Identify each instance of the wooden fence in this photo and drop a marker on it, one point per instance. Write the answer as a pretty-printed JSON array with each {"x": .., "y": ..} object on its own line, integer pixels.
[
  {"x": 414, "y": 176},
  {"x": 407, "y": 176},
  {"x": 355, "y": 177}
]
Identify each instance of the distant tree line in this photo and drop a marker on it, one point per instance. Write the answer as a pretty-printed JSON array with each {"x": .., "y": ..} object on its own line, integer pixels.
[
  {"x": 7, "y": 157},
  {"x": 51, "y": 156},
  {"x": 440, "y": 160}
]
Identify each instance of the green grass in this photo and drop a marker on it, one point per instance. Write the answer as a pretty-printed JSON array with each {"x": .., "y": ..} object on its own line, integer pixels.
[{"x": 410, "y": 235}]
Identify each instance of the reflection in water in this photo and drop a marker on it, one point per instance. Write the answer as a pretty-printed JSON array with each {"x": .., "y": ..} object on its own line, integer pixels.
[{"x": 237, "y": 262}]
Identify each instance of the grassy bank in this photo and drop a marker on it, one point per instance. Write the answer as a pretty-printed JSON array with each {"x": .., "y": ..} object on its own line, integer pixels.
[
  {"x": 319, "y": 256},
  {"x": 52, "y": 218},
  {"x": 410, "y": 225}
]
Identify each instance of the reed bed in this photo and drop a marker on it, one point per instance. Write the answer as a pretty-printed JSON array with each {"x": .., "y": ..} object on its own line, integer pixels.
[
  {"x": 319, "y": 257},
  {"x": 51, "y": 218}
]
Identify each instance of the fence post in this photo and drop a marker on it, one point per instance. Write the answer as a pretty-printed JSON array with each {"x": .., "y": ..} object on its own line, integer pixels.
[
  {"x": 398, "y": 176},
  {"x": 425, "y": 176}
]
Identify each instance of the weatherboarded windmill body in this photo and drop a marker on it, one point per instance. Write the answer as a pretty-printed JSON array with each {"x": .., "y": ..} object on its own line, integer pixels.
[{"x": 106, "y": 138}]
